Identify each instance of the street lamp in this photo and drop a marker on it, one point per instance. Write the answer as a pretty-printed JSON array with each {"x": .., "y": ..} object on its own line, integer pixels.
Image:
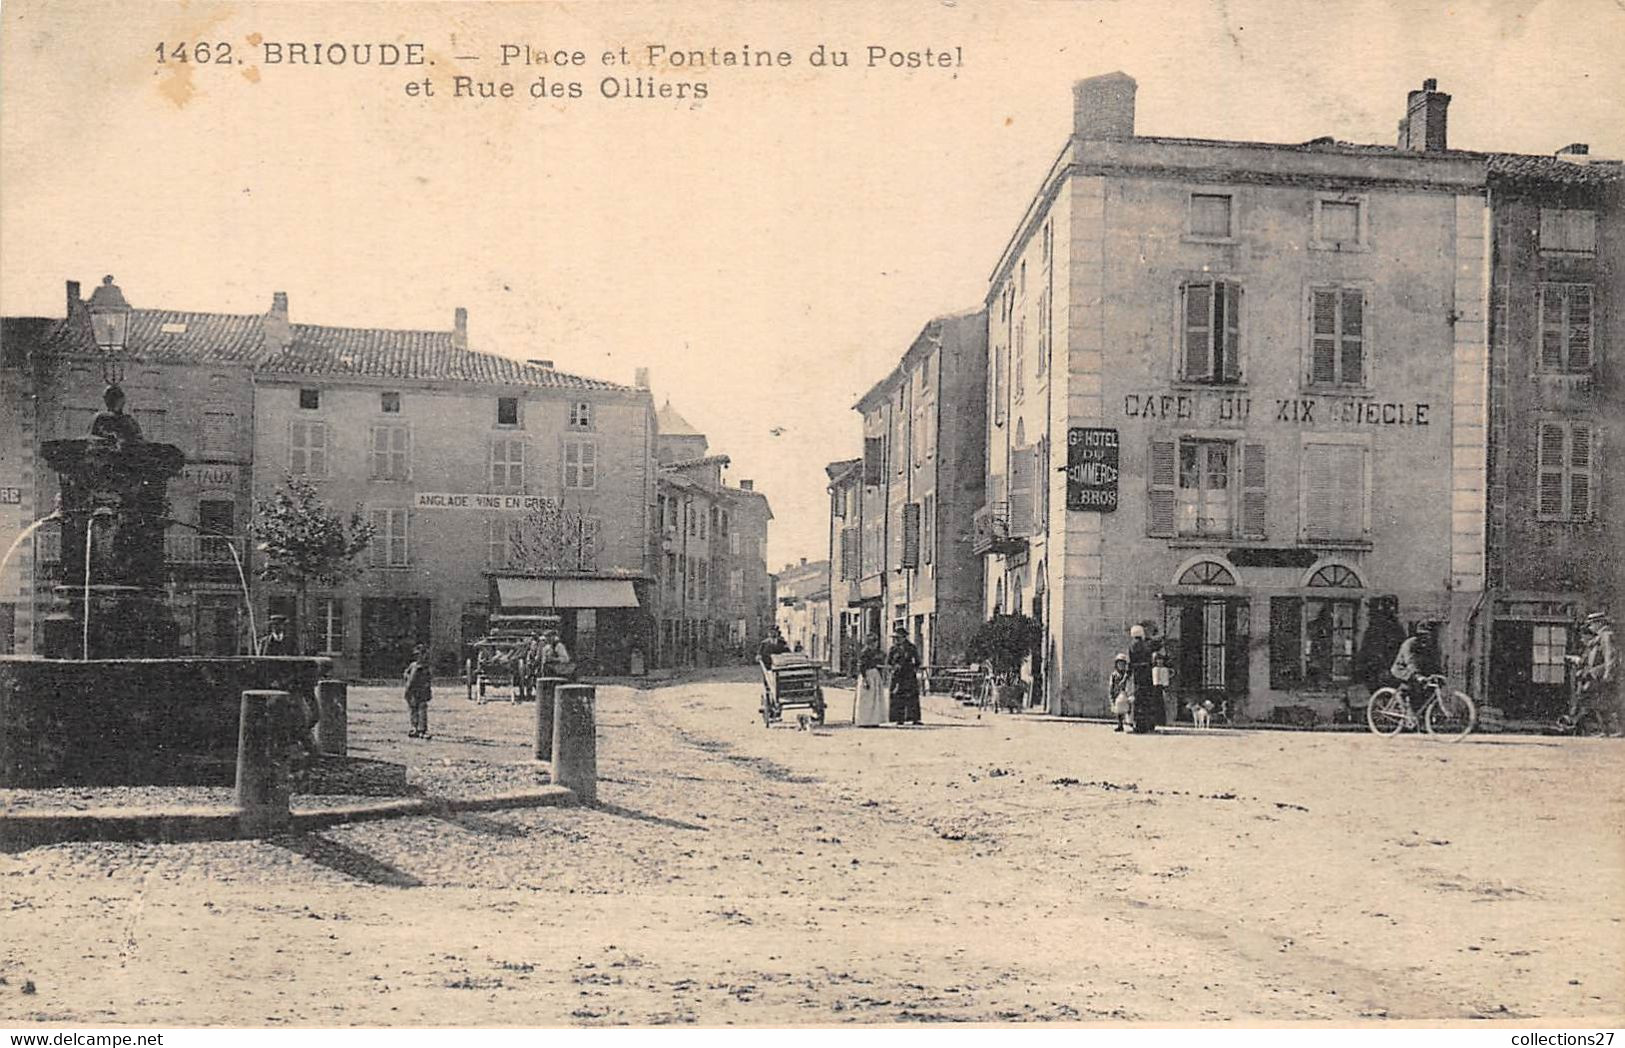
[{"x": 110, "y": 321}]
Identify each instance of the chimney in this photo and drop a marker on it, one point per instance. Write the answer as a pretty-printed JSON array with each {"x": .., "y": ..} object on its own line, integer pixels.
[
  {"x": 1423, "y": 129},
  {"x": 537, "y": 362},
  {"x": 1575, "y": 149},
  {"x": 640, "y": 378},
  {"x": 459, "y": 329},
  {"x": 1103, "y": 106},
  {"x": 75, "y": 303},
  {"x": 278, "y": 333},
  {"x": 747, "y": 485},
  {"x": 804, "y": 562}
]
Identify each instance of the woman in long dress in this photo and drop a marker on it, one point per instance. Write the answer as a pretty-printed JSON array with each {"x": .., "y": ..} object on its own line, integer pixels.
[{"x": 872, "y": 697}]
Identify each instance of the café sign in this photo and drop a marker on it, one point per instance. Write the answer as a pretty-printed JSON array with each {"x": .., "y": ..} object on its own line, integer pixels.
[{"x": 1091, "y": 469}]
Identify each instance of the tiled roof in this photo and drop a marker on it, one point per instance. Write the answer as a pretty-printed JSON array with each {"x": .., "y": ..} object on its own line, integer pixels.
[
  {"x": 841, "y": 469},
  {"x": 179, "y": 337},
  {"x": 709, "y": 460},
  {"x": 1511, "y": 165},
  {"x": 412, "y": 355}
]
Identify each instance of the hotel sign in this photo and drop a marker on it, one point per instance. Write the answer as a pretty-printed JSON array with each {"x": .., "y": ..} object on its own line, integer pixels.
[
  {"x": 1091, "y": 470},
  {"x": 484, "y": 503}
]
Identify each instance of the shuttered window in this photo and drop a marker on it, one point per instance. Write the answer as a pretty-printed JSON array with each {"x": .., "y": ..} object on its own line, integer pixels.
[
  {"x": 391, "y": 452},
  {"x": 1160, "y": 496},
  {"x": 1254, "y": 494},
  {"x": 850, "y": 553},
  {"x": 1334, "y": 491},
  {"x": 1566, "y": 461},
  {"x": 1212, "y": 320},
  {"x": 874, "y": 460},
  {"x": 1565, "y": 327},
  {"x": 507, "y": 465},
  {"x": 389, "y": 542},
  {"x": 1568, "y": 231},
  {"x": 1023, "y": 505},
  {"x": 1337, "y": 337},
  {"x": 928, "y": 538},
  {"x": 997, "y": 385},
  {"x": 307, "y": 448},
  {"x": 911, "y": 535}
]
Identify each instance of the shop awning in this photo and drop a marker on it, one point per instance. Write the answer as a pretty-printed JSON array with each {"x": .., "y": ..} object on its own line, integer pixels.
[
  {"x": 595, "y": 593},
  {"x": 566, "y": 593}
]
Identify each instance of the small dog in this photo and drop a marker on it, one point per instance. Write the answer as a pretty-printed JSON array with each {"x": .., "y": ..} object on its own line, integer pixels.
[
  {"x": 802, "y": 720},
  {"x": 1202, "y": 714}
]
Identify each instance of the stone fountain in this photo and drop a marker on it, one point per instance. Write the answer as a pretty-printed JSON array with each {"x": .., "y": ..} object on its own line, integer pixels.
[
  {"x": 111, "y": 603},
  {"x": 112, "y": 703}
]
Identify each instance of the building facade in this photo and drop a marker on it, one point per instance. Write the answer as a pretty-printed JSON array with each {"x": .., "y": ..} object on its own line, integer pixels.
[
  {"x": 1238, "y": 391},
  {"x": 1557, "y": 394},
  {"x": 909, "y": 521},
  {"x": 846, "y": 608},
  {"x": 490, "y": 484},
  {"x": 714, "y": 601},
  {"x": 803, "y": 607}
]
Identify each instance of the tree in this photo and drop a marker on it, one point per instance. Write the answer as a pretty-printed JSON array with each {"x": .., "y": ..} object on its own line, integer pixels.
[
  {"x": 1003, "y": 640},
  {"x": 303, "y": 543},
  {"x": 552, "y": 537}
]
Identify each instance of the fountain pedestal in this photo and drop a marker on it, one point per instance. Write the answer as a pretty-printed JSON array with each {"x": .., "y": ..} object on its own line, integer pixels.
[{"x": 113, "y": 500}]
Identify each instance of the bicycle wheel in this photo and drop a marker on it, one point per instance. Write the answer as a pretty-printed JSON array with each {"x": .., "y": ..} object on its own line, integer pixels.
[
  {"x": 1450, "y": 715},
  {"x": 1385, "y": 714}
]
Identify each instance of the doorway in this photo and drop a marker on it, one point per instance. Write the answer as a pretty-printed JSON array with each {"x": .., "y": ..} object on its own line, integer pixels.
[
  {"x": 217, "y": 624},
  {"x": 390, "y": 628},
  {"x": 1528, "y": 678},
  {"x": 1207, "y": 638}
]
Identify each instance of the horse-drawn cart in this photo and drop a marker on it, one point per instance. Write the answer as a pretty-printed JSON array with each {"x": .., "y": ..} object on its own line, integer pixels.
[
  {"x": 502, "y": 658},
  {"x": 791, "y": 681}
]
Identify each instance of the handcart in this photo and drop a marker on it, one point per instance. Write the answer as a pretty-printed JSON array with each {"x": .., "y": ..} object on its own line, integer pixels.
[{"x": 791, "y": 681}]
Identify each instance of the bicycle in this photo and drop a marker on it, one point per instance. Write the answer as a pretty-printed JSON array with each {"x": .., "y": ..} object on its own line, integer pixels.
[{"x": 1448, "y": 715}]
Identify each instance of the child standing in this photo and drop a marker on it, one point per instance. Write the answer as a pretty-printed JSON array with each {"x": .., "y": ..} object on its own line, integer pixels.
[
  {"x": 419, "y": 684},
  {"x": 1121, "y": 690}
]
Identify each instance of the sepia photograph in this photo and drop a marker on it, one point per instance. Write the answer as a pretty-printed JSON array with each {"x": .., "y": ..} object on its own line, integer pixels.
[{"x": 829, "y": 515}]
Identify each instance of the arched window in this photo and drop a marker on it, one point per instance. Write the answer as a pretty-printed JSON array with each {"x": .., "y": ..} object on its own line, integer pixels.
[
  {"x": 1335, "y": 576},
  {"x": 1206, "y": 573}
]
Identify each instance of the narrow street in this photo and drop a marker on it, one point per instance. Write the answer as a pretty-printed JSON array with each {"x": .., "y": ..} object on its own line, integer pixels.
[{"x": 994, "y": 869}]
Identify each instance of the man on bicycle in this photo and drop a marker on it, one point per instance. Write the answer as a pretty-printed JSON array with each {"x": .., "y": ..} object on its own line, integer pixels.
[
  {"x": 1599, "y": 673},
  {"x": 1418, "y": 659}
]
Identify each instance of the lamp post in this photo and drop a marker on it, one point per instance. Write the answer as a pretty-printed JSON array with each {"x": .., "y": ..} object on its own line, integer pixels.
[{"x": 110, "y": 322}]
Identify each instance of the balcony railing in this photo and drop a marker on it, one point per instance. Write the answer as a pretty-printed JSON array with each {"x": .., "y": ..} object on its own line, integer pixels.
[
  {"x": 990, "y": 531},
  {"x": 180, "y": 548}
]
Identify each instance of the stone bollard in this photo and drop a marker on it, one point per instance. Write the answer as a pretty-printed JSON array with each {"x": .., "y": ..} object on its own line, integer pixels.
[
  {"x": 262, "y": 763},
  {"x": 333, "y": 717},
  {"x": 545, "y": 697},
  {"x": 575, "y": 741}
]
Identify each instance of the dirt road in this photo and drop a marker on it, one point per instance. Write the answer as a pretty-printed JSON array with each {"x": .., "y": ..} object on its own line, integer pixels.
[{"x": 1005, "y": 869}]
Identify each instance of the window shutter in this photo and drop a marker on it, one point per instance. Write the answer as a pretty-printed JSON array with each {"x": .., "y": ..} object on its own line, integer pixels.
[
  {"x": 1286, "y": 642},
  {"x": 1161, "y": 476},
  {"x": 849, "y": 553},
  {"x": 1550, "y": 455},
  {"x": 911, "y": 535},
  {"x": 1353, "y": 338},
  {"x": 1323, "y": 342},
  {"x": 1551, "y": 326},
  {"x": 1254, "y": 500},
  {"x": 1198, "y": 331},
  {"x": 1580, "y": 477},
  {"x": 1231, "y": 354},
  {"x": 874, "y": 464},
  {"x": 1021, "y": 492},
  {"x": 837, "y": 504},
  {"x": 1579, "y": 329}
]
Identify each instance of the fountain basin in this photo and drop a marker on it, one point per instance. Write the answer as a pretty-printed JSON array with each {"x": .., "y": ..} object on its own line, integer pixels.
[{"x": 135, "y": 722}]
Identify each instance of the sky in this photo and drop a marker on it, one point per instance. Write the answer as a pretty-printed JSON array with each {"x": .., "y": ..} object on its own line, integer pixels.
[{"x": 767, "y": 253}]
